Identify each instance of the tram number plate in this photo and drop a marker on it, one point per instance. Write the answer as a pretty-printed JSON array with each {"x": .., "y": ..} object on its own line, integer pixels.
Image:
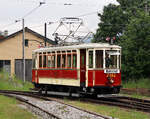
[{"x": 111, "y": 71}]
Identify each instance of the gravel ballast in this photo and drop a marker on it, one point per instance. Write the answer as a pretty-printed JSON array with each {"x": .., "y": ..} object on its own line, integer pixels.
[{"x": 60, "y": 110}]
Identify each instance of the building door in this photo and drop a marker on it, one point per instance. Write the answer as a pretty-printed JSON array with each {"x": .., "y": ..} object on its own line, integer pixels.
[
  {"x": 5, "y": 65},
  {"x": 19, "y": 69},
  {"x": 82, "y": 67}
]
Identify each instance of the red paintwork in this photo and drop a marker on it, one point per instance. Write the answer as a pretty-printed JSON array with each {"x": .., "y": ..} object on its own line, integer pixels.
[
  {"x": 101, "y": 78},
  {"x": 35, "y": 78},
  {"x": 66, "y": 74},
  {"x": 33, "y": 75},
  {"x": 82, "y": 66},
  {"x": 90, "y": 78}
]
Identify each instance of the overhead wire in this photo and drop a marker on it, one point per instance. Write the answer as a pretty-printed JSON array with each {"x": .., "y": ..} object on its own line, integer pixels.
[
  {"x": 10, "y": 24},
  {"x": 33, "y": 10},
  {"x": 83, "y": 15}
]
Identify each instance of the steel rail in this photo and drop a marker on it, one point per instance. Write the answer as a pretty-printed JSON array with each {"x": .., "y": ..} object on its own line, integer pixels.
[{"x": 43, "y": 97}]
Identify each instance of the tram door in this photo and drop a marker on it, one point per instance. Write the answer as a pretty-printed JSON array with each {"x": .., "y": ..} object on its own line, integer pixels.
[{"x": 82, "y": 67}]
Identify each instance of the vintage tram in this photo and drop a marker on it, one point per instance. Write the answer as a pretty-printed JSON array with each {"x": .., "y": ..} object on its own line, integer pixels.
[{"x": 91, "y": 68}]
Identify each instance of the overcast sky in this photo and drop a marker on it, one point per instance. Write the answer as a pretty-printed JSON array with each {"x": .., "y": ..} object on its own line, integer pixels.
[{"x": 52, "y": 11}]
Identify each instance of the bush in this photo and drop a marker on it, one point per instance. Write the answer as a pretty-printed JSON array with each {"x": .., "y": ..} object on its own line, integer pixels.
[
  {"x": 141, "y": 83},
  {"x": 13, "y": 83}
]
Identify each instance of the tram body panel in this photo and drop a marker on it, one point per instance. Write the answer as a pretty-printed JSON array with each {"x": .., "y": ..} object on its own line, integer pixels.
[
  {"x": 60, "y": 77},
  {"x": 84, "y": 67},
  {"x": 99, "y": 78}
]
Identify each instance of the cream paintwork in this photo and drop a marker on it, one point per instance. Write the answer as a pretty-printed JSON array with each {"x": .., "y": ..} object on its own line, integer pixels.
[
  {"x": 11, "y": 48},
  {"x": 67, "y": 82}
]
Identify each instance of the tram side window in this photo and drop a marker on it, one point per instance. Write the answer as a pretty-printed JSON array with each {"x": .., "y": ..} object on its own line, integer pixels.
[
  {"x": 58, "y": 61},
  {"x": 53, "y": 61},
  {"x": 40, "y": 61},
  {"x": 49, "y": 61},
  {"x": 74, "y": 60},
  {"x": 90, "y": 59},
  {"x": 44, "y": 61},
  {"x": 63, "y": 60},
  {"x": 69, "y": 60},
  {"x": 99, "y": 58}
]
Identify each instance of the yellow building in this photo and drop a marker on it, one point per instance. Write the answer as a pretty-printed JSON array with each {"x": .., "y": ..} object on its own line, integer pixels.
[{"x": 11, "y": 51}]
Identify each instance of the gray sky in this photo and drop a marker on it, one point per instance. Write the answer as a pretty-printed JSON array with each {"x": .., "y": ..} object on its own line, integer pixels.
[{"x": 52, "y": 11}]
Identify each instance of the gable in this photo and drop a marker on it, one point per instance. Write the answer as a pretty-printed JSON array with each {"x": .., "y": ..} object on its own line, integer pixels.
[{"x": 27, "y": 30}]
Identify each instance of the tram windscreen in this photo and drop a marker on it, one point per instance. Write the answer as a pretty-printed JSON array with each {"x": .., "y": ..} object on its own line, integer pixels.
[{"x": 111, "y": 59}]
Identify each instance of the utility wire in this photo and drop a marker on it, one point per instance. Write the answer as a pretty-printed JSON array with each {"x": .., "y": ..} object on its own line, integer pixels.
[
  {"x": 33, "y": 9},
  {"x": 10, "y": 24},
  {"x": 18, "y": 20},
  {"x": 87, "y": 14}
]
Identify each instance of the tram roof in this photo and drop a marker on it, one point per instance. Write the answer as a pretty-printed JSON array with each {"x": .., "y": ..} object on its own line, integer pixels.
[{"x": 79, "y": 46}]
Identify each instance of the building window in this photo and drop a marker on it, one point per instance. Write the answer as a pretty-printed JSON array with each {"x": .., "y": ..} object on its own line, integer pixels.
[{"x": 26, "y": 42}]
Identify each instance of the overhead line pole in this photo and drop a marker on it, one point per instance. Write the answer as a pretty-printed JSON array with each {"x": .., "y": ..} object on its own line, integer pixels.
[
  {"x": 23, "y": 50},
  {"x": 45, "y": 31},
  {"x": 23, "y": 40}
]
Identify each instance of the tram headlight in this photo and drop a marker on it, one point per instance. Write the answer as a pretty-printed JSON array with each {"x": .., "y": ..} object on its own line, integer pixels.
[{"x": 111, "y": 80}]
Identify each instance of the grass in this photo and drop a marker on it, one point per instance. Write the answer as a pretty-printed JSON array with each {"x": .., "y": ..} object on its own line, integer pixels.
[
  {"x": 10, "y": 110},
  {"x": 8, "y": 106},
  {"x": 141, "y": 83},
  {"x": 13, "y": 83},
  {"x": 115, "y": 112}
]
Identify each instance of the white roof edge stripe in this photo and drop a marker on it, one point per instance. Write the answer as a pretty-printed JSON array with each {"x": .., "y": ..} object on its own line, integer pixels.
[{"x": 80, "y": 46}]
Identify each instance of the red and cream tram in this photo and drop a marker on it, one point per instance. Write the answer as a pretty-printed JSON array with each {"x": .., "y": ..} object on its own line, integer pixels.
[{"x": 88, "y": 68}]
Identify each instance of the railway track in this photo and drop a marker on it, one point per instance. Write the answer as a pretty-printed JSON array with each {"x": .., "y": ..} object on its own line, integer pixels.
[
  {"x": 116, "y": 100},
  {"x": 20, "y": 96},
  {"x": 123, "y": 102},
  {"x": 120, "y": 101}
]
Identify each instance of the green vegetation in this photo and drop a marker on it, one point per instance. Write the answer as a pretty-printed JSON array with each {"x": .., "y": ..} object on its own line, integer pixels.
[
  {"x": 129, "y": 23},
  {"x": 111, "y": 111},
  {"x": 141, "y": 83},
  {"x": 8, "y": 107},
  {"x": 10, "y": 110},
  {"x": 12, "y": 83}
]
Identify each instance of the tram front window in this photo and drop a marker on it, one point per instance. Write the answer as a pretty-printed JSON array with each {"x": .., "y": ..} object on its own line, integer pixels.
[{"x": 111, "y": 59}]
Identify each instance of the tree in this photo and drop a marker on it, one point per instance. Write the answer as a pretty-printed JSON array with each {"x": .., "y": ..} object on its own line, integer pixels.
[
  {"x": 113, "y": 21},
  {"x": 115, "y": 18},
  {"x": 130, "y": 23},
  {"x": 136, "y": 48}
]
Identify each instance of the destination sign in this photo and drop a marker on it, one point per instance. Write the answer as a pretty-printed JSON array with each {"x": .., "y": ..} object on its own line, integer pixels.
[{"x": 111, "y": 71}]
